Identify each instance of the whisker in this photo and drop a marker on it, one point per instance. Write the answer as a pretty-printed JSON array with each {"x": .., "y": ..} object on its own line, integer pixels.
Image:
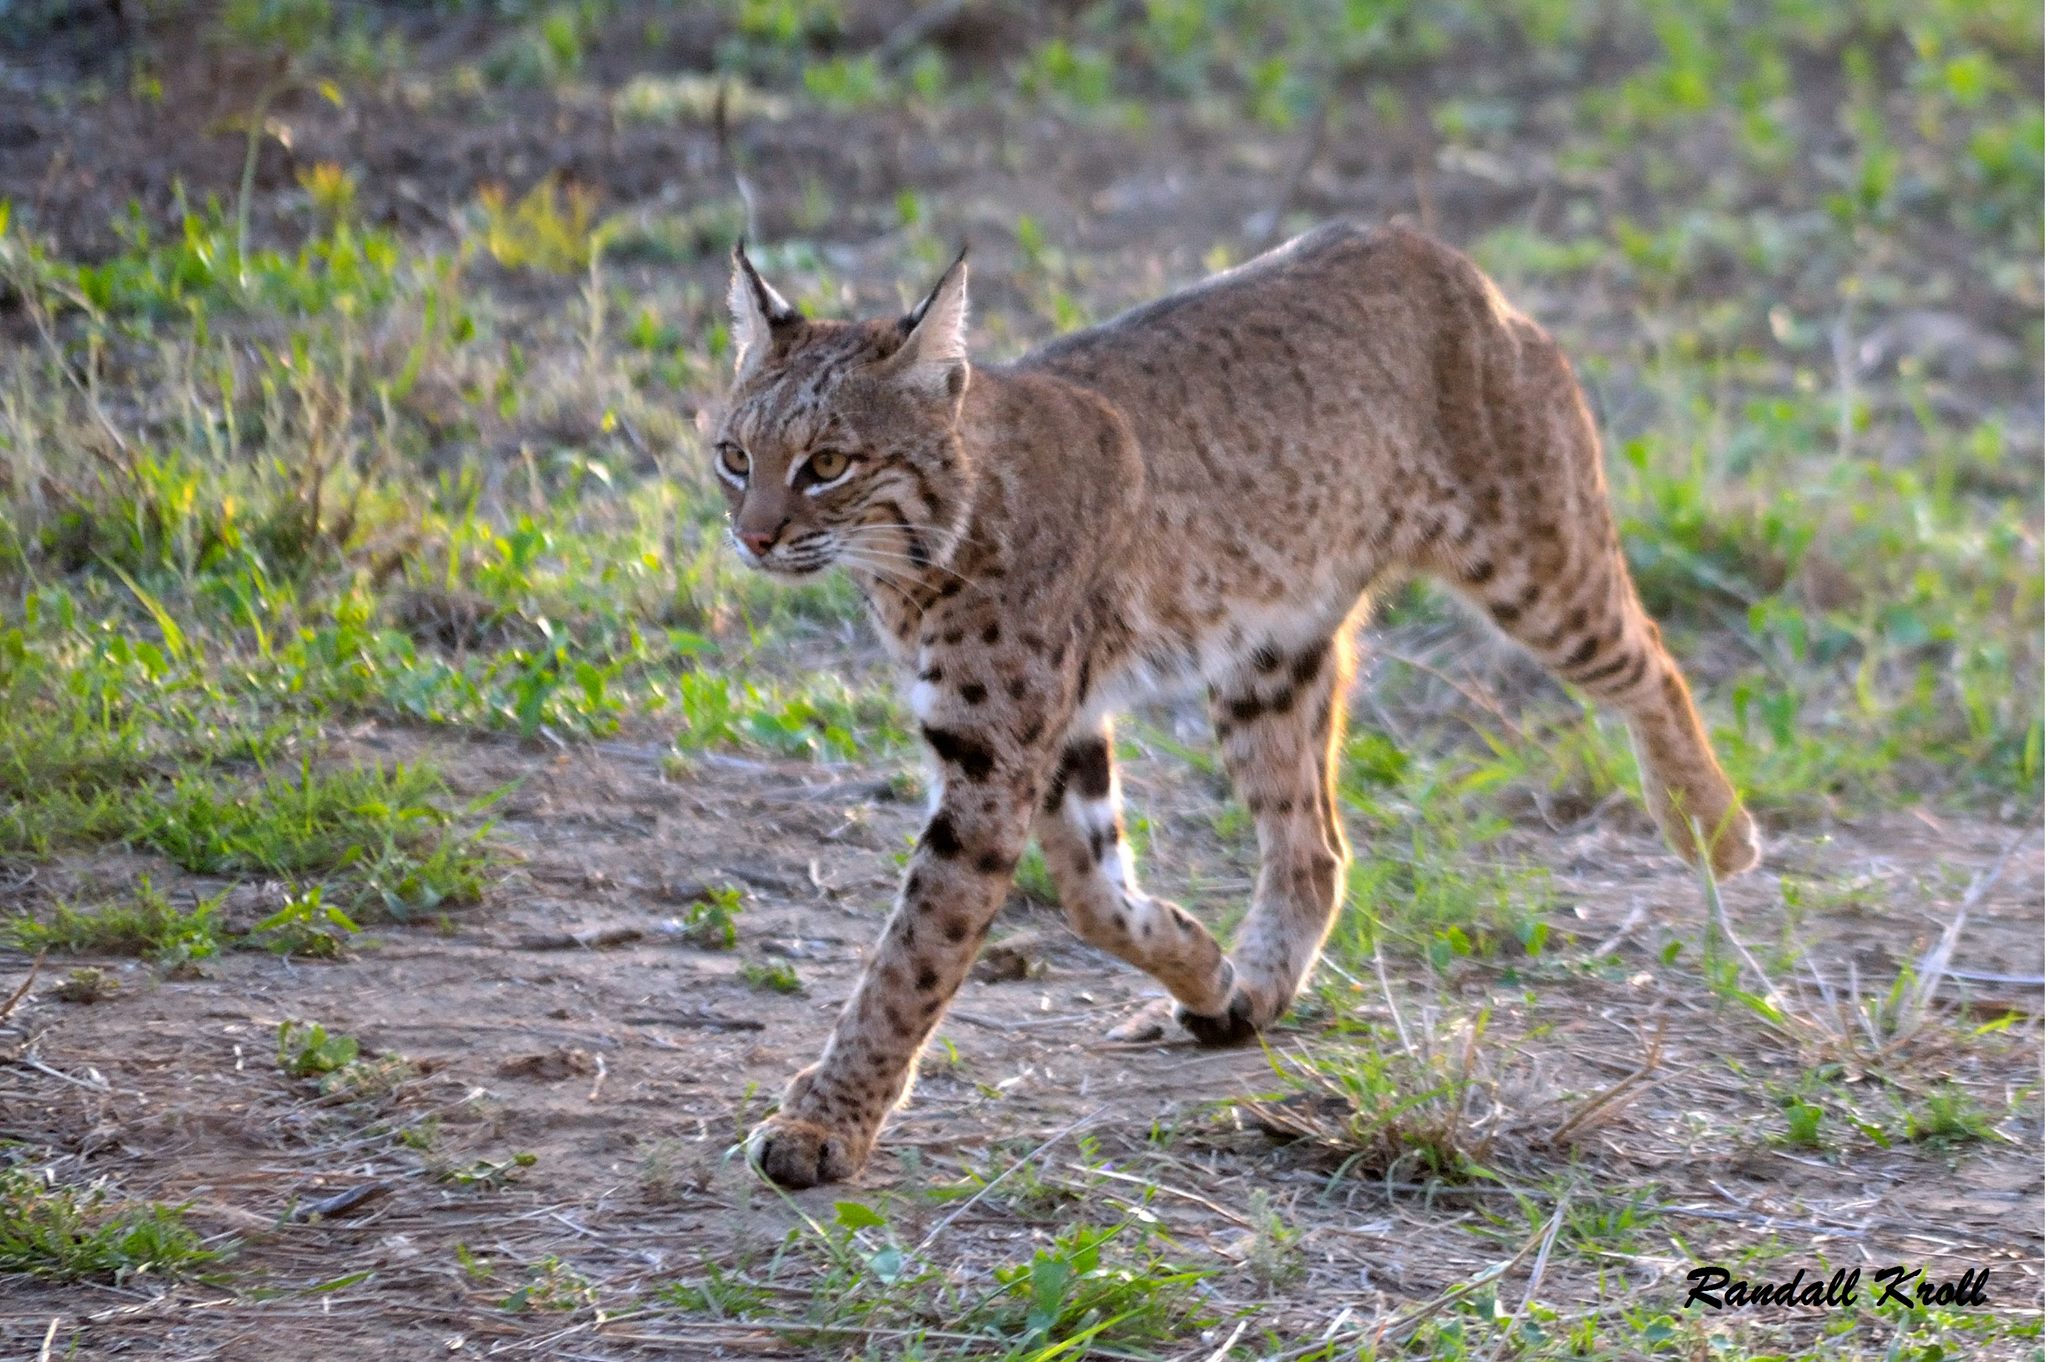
[
  {"x": 926, "y": 565},
  {"x": 962, "y": 536},
  {"x": 882, "y": 577}
]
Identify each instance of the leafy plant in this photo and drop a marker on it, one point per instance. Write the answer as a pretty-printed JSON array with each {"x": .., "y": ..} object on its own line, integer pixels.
[{"x": 308, "y": 1050}]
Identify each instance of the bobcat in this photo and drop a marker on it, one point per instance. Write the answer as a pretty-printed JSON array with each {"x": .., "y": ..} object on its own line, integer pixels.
[{"x": 1205, "y": 490}]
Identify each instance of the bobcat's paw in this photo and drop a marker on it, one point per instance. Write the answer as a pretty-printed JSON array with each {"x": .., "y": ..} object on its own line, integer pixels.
[
  {"x": 799, "y": 1153},
  {"x": 1738, "y": 848},
  {"x": 1238, "y": 1023}
]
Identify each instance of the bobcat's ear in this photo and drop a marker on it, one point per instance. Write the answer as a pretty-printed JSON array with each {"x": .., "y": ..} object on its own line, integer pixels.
[
  {"x": 757, "y": 312},
  {"x": 933, "y": 356}
]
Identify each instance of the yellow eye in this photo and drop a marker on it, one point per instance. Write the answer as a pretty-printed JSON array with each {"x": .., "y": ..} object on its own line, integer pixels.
[
  {"x": 828, "y": 464},
  {"x": 735, "y": 459}
]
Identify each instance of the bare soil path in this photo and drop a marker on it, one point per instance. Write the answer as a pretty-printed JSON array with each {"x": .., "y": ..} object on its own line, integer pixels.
[{"x": 579, "y": 1074}]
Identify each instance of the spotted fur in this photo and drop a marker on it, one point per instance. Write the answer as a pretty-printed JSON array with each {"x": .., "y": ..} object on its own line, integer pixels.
[{"x": 1202, "y": 491}]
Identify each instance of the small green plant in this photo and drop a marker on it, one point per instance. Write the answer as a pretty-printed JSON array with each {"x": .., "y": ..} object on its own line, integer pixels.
[
  {"x": 1272, "y": 1255},
  {"x": 552, "y": 1285},
  {"x": 1803, "y": 1123},
  {"x": 308, "y": 1050},
  {"x": 83, "y": 1233},
  {"x": 717, "y": 1294},
  {"x": 550, "y": 229},
  {"x": 1948, "y": 1116},
  {"x": 1074, "y": 1292},
  {"x": 332, "y": 192},
  {"x": 1391, "y": 1101},
  {"x": 489, "y": 1173},
  {"x": 87, "y": 985},
  {"x": 306, "y": 926},
  {"x": 713, "y": 920},
  {"x": 772, "y": 976}
]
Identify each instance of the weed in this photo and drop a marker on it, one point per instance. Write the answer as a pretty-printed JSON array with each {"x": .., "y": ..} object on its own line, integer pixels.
[
  {"x": 712, "y": 921},
  {"x": 148, "y": 925},
  {"x": 1272, "y": 1253},
  {"x": 306, "y": 926},
  {"x": 79, "y": 1234},
  {"x": 550, "y": 228},
  {"x": 489, "y": 1173},
  {"x": 772, "y": 976},
  {"x": 1948, "y": 1116},
  {"x": 552, "y": 1285},
  {"x": 1389, "y": 1103},
  {"x": 308, "y": 1050},
  {"x": 86, "y": 985}
]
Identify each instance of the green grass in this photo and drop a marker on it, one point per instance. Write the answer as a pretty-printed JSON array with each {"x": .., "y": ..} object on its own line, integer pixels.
[
  {"x": 1114, "y": 1287},
  {"x": 148, "y": 925},
  {"x": 73, "y": 1234}
]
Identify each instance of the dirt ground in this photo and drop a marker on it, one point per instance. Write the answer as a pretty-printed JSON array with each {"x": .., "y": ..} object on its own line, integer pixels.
[{"x": 566, "y": 1024}]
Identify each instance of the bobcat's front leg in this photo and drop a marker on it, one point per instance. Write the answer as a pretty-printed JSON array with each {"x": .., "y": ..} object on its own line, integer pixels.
[{"x": 992, "y": 766}]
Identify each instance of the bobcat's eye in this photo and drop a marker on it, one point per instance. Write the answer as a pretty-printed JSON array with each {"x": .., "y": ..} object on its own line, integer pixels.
[
  {"x": 828, "y": 464},
  {"x": 734, "y": 458}
]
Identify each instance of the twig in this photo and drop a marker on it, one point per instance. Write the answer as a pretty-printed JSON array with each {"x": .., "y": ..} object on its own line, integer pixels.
[
  {"x": 32, "y": 298},
  {"x": 342, "y": 1202},
  {"x": 1197, "y": 1198},
  {"x": 997, "y": 1180},
  {"x": 1841, "y": 344},
  {"x": 1636, "y": 913},
  {"x": 49, "y": 1338},
  {"x": 721, "y": 128},
  {"x": 694, "y": 1330},
  {"x": 1319, "y": 123},
  {"x": 1223, "y": 1350},
  {"x": 14, "y": 999},
  {"x": 1535, "y": 1279},
  {"x": 1379, "y": 967},
  {"x": 1717, "y": 917},
  {"x": 86, "y": 1083},
  {"x": 1422, "y": 1312},
  {"x": 703, "y": 1021},
  {"x": 1483, "y": 1277},
  {"x": 1479, "y": 699},
  {"x": 1601, "y": 1101},
  {"x": 1933, "y": 966}
]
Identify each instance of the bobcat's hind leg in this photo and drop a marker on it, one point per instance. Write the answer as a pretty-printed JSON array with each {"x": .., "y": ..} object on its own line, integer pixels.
[
  {"x": 1533, "y": 543},
  {"x": 1279, "y": 722},
  {"x": 1080, "y": 833},
  {"x": 1584, "y": 622}
]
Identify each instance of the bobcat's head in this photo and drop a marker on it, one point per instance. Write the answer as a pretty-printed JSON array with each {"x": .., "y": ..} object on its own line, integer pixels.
[{"x": 838, "y": 441}]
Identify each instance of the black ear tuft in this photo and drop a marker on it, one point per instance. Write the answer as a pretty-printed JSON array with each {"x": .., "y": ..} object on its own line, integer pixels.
[
  {"x": 909, "y": 320},
  {"x": 774, "y": 308}
]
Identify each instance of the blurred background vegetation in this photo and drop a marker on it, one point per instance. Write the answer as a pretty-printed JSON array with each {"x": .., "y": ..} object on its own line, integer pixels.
[{"x": 355, "y": 354}]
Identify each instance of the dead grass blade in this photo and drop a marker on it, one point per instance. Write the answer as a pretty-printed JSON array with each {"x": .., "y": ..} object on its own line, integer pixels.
[
  {"x": 1600, "y": 1102},
  {"x": 1535, "y": 1273},
  {"x": 997, "y": 1180},
  {"x": 14, "y": 998}
]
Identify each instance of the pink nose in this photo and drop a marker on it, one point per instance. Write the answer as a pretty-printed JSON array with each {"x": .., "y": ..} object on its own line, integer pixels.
[{"x": 758, "y": 542}]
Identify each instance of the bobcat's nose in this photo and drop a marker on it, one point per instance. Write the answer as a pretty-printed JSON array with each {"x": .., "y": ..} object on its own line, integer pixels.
[{"x": 758, "y": 542}]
